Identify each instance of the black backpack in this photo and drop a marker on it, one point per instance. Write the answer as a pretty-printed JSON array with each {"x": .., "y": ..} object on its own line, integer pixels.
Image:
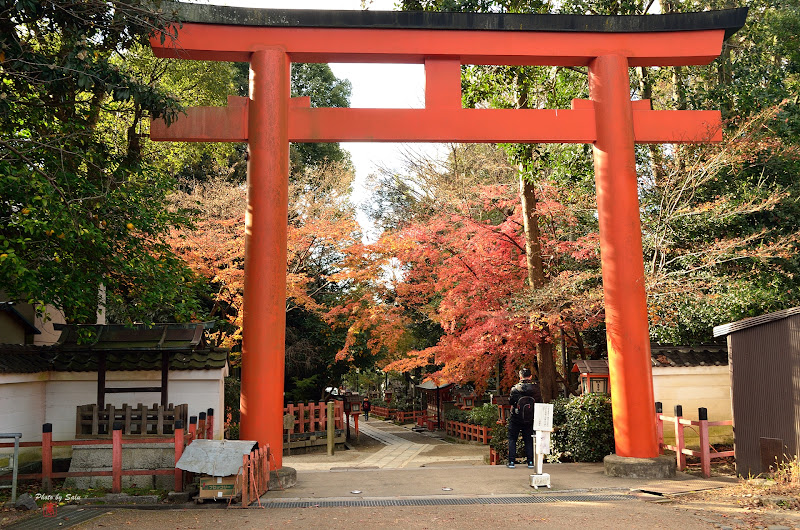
[{"x": 525, "y": 409}]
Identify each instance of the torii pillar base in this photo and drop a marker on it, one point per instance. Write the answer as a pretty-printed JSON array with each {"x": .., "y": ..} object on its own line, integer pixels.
[
  {"x": 649, "y": 468},
  {"x": 284, "y": 478}
]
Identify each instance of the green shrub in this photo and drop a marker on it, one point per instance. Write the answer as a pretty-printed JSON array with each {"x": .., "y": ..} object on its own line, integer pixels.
[
  {"x": 499, "y": 443},
  {"x": 590, "y": 429},
  {"x": 457, "y": 415},
  {"x": 583, "y": 431},
  {"x": 405, "y": 403},
  {"x": 559, "y": 448},
  {"x": 486, "y": 415}
]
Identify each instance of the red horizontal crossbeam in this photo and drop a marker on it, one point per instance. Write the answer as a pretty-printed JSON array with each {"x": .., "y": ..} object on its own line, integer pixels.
[
  {"x": 577, "y": 125},
  {"x": 214, "y": 42}
]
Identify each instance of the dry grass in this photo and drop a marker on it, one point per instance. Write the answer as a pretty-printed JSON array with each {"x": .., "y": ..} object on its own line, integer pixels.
[{"x": 750, "y": 503}]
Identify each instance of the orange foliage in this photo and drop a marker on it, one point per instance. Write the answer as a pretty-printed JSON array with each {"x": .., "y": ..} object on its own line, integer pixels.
[{"x": 469, "y": 276}]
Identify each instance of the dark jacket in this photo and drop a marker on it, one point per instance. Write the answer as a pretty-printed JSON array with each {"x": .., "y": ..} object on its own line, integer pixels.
[{"x": 523, "y": 388}]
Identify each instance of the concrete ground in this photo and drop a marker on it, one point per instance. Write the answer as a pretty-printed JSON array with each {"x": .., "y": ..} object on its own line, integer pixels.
[{"x": 412, "y": 480}]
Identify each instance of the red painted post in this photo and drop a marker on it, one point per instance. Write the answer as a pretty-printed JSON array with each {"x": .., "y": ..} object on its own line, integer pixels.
[
  {"x": 356, "y": 423},
  {"x": 705, "y": 456},
  {"x": 266, "y": 224},
  {"x": 660, "y": 427},
  {"x": 201, "y": 426},
  {"x": 210, "y": 425},
  {"x": 116, "y": 459},
  {"x": 679, "y": 443},
  {"x": 192, "y": 428},
  {"x": 47, "y": 457},
  {"x": 621, "y": 259},
  {"x": 179, "y": 440},
  {"x": 301, "y": 416},
  {"x": 245, "y": 480}
]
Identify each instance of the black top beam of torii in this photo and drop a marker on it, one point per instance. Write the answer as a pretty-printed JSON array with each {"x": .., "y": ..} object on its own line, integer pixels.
[{"x": 731, "y": 20}]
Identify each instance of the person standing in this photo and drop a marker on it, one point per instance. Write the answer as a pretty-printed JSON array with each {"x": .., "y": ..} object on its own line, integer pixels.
[
  {"x": 365, "y": 408},
  {"x": 523, "y": 396}
]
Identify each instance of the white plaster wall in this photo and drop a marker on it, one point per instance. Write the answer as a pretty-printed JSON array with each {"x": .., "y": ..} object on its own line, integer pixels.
[
  {"x": 201, "y": 389},
  {"x": 694, "y": 387},
  {"x": 29, "y": 400},
  {"x": 22, "y": 398}
]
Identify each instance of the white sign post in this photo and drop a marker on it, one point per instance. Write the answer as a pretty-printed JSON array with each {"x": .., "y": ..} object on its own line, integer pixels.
[{"x": 542, "y": 426}]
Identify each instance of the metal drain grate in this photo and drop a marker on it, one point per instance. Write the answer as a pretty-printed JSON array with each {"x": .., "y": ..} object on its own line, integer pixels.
[
  {"x": 65, "y": 518},
  {"x": 445, "y": 501}
]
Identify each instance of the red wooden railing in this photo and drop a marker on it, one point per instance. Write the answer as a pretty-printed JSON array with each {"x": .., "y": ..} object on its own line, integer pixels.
[
  {"x": 383, "y": 412},
  {"x": 313, "y": 417},
  {"x": 116, "y": 442},
  {"x": 705, "y": 453},
  {"x": 406, "y": 416},
  {"x": 402, "y": 416},
  {"x": 254, "y": 476},
  {"x": 467, "y": 431}
]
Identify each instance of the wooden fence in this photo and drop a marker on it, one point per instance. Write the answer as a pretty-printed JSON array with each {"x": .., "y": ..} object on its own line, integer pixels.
[
  {"x": 467, "y": 431},
  {"x": 680, "y": 423},
  {"x": 94, "y": 422},
  {"x": 383, "y": 412},
  {"x": 400, "y": 416},
  {"x": 178, "y": 439},
  {"x": 409, "y": 416},
  {"x": 313, "y": 417},
  {"x": 255, "y": 475}
]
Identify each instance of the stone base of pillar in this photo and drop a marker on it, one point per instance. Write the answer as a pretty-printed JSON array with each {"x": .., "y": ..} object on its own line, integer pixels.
[
  {"x": 623, "y": 466},
  {"x": 284, "y": 478}
]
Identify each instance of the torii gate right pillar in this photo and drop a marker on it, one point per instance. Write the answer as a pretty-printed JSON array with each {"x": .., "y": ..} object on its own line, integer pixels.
[{"x": 627, "y": 332}]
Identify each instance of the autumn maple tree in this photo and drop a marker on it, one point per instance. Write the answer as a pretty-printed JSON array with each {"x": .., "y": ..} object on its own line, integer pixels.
[{"x": 465, "y": 267}]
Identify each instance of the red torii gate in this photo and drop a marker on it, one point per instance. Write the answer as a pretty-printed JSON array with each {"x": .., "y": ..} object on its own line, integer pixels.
[{"x": 269, "y": 119}]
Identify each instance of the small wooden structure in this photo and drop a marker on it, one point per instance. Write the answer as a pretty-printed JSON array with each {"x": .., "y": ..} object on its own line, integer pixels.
[
  {"x": 764, "y": 353},
  {"x": 110, "y": 344},
  {"x": 594, "y": 376},
  {"x": 466, "y": 398},
  {"x": 435, "y": 399},
  {"x": 504, "y": 404}
]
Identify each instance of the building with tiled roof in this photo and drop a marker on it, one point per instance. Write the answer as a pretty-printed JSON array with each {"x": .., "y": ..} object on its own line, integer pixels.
[
  {"x": 690, "y": 376},
  {"x": 96, "y": 364}
]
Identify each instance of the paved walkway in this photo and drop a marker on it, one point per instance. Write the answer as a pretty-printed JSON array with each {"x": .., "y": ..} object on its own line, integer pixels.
[
  {"x": 403, "y": 448},
  {"x": 398, "y": 452}
]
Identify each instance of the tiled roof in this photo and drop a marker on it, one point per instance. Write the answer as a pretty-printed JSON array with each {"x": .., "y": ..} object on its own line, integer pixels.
[
  {"x": 705, "y": 355},
  {"x": 133, "y": 337},
  {"x": 667, "y": 356},
  {"x": 126, "y": 348},
  {"x": 19, "y": 359},
  {"x": 24, "y": 359},
  {"x": 75, "y": 361},
  {"x": 598, "y": 367}
]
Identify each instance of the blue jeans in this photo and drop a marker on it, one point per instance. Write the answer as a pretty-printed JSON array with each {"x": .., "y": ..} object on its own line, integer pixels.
[{"x": 514, "y": 429}]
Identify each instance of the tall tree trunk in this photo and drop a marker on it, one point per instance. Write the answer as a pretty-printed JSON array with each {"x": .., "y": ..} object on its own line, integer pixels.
[{"x": 545, "y": 364}]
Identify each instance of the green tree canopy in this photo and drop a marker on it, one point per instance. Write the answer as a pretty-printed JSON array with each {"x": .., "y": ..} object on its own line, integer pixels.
[{"x": 76, "y": 210}]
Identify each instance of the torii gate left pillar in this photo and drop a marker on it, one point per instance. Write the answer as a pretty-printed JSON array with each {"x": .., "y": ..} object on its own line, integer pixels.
[
  {"x": 269, "y": 119},
  {"x": 266, "y": 223}
]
